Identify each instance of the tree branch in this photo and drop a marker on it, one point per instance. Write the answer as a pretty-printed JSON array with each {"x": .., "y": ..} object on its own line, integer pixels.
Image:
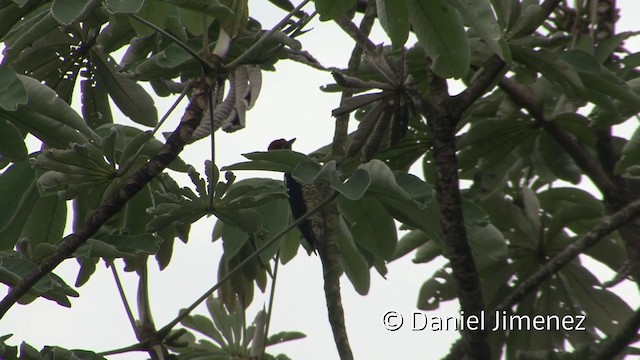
[
  {"x": 342, "y": 122},
  {"x": 606, "y": 227},
  {"x": 457, "y": 248},
  {"x": 614, "y": 345},
  {"x": 111, "y": 206}
]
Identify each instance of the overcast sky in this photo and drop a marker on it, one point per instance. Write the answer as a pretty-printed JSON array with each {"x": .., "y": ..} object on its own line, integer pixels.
[{"x": 290, "y": 106}]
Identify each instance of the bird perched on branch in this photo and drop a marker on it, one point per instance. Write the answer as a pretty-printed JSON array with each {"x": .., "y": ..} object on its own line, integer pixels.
[{"x": 301, "y": 199}]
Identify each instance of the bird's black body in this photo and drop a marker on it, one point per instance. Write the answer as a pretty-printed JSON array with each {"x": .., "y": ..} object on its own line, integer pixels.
[{"x": 296, "y": 198}]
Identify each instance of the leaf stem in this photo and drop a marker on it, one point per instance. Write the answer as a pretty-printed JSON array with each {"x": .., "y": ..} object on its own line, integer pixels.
[
  {"x": 205, "y": 65},
  {"x": 123, "y": 297}
]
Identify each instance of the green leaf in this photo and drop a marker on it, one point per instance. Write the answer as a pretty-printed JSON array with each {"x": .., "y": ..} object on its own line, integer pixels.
[
  {"x": 490, "y": 142},
  {"x": 331, "y": 9},
  {"x": 276, "y": 217},
  {"x": 156, "y": 12},
  {"x": 125, "y": 134},
  {"x": 371, "y": 225},
  {"x": 234, "y": 25},
  {"x": 96, "y": 109},
  {"x": 563, "y": 218},
  {"x": 429, "y": 250},
  {"x": 11, "y": 13},
  {"x": 277, "y": 160},
  {"x": 530, "y": 18},
  {"x": 69, "y": 11},
  {"x": 192, "y": 21},
  {"x": 209, "y": 7},
  {"x": 284, "y": 336},
  {"x": 398, "y": 202},
  {"x": 128, "y": 95},
  {"x": 58, "y": 353},
  {"x": 554, "y": 68},
  {"x": 352, "y": 261},
  {"x": 118, "y": 33},
  {"x": 394, "y": 19},
  {"x": 251, "y": 193},
  {"x": 13, "y": 269},
  {"x": 124, "y": 6},
  {"x": 204, "y": 326},
  {"x": 28, "y": 352},
  {"x": 32, "y": 27},
  {"x": 354, "y": 187},
  {"x": 137, "y": 216},
  {"x": 117, "y": 246},
  {"x": 437, "y": 289},
  {"x": 166, "y": 214},
  {"x": 630, "y": 153},
  {"x": 487, "y": 243},
  {"x": 441, "y": 33},
  {"x": 233, "y": 239},
  {"x": 19, "y": 196},
  {"x": 46, "y": 221},
  {"x": 480, "y": 16},
  {"x": 607, "y": 46},
  {"x": 409, "y": 242},
  {"x": 12, "y": 91},
  {"x": 557, "y": 160},
  {"x": 603, "y": 308},
  {"x": 12, "y": 146}
]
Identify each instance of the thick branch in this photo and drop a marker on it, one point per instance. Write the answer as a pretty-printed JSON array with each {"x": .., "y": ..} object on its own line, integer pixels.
[
  {"x": 116, "y": 201},
  {"x": 457, "y": 249}
]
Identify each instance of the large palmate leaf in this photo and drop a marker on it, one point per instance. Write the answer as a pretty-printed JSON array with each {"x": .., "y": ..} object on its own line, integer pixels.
[{"x": 440, "y": 31}]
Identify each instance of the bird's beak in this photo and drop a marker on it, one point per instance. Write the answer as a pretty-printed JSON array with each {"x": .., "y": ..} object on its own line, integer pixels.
[{"x": 290, "y": 142}]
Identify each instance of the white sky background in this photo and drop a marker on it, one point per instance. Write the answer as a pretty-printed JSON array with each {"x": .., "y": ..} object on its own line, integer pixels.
[{"x": 290, "y": 105}]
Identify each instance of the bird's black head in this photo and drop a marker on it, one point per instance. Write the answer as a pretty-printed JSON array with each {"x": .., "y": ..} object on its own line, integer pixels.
[{"x": 281, "y": 144}]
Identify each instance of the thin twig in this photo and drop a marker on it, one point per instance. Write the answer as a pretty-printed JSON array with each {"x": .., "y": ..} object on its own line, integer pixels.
[
  {"x": 272, "y": 295},
  {"x": 131, "y": 160},
  {"x": 233, "y": 64},
  {"x": 183, "y": 313}
]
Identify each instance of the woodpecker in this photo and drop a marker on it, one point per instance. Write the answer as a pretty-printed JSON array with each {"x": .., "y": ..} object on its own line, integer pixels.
[{"x": 298, "y": 199}]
